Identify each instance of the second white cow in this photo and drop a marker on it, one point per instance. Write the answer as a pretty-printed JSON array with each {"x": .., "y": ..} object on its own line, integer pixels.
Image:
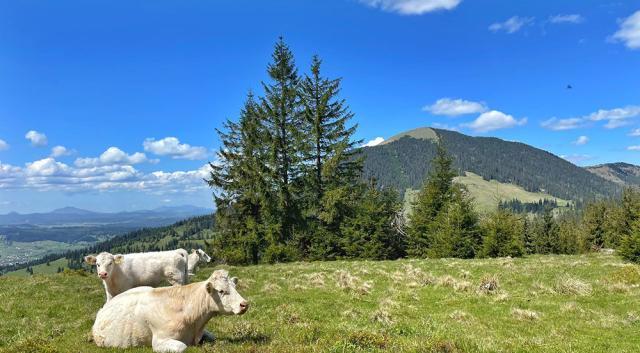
[
  {"x": 122, "y": 272},
  {"x": 196, "y": 256}
]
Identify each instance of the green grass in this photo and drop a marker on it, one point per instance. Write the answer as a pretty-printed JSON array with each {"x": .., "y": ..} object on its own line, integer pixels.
[
  {"x": 41, "y": 269},
  {"x": 588, "y": 303},
  {"x": 486, "y": 194}
]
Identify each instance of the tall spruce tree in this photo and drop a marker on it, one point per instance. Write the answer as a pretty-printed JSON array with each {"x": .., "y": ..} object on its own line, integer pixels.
[
  {"x": 282, "y": 116},
  {"x": 504, "y": 235},
  {"x": 435, "y": 194}
]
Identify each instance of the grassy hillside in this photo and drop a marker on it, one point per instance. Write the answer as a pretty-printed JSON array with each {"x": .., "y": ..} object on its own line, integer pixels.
[
  {"x": 487, "y": 193},
  {"x": 587, "y": 303},
  {"x": 620, "y": 173},
  {"x": 41, "y": 269}
]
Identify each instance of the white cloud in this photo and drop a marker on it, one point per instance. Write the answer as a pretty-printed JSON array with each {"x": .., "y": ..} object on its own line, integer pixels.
[
  {"x": 37, "y": 139},
  {"x": 494, "y": 120},
  {"x": 635, "y": 132},
  {"x": 59, "y": 151},
  {"x": 582, "y": 140},
  {"x": 47, "y": 167},
  {"x": 572, "y": 18},
  {"x": 615, "y": 117},
  {"x": 455, "y": 107},
  {"x": 171, "y": 146},
  {"x": 412, "y": 7},
  {"x": 113, "y": 155},
  {"x": 562, "y": 124},
  {"x": 629, "y": 32},
  {"x": 577, "y": 158},
  {"x": 511, "y": 25},
  {"x": 376, "y": 141},
  {"x": 444, "y": 127},
  {"x": 3, "y": 145},
  {"x": 633, "y": 148}
]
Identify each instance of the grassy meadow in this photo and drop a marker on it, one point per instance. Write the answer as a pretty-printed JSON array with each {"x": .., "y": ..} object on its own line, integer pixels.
[{"x": 587, "y": 303}]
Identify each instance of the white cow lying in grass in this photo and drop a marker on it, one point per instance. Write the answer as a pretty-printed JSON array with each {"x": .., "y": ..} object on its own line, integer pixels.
[
  {"x": 122, "y": 272},
  {"x": 169, "y": 318},
  {"x": 195, "y": 257}
]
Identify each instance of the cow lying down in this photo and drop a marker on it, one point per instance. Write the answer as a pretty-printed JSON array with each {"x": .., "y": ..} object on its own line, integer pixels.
[
  {"x": 122, "y": 272},
  {"x": 168, "y": 318}
]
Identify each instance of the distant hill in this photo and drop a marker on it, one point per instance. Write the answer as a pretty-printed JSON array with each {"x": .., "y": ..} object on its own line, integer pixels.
[
  {"x": 76, "y": 216},
  {"x": 404, "y": 162},
  {"x": 620, "y": 173}
]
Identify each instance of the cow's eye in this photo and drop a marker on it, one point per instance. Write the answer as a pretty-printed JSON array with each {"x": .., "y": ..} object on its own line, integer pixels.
[
  {"x": 221, "y": 292},
  {"x": 97, "y": 264}
]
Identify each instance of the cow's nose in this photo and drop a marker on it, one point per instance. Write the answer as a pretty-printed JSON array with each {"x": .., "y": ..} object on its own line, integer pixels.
[
  {"x": 102, "y": 274},
  {"x": 244, "y": 305}
]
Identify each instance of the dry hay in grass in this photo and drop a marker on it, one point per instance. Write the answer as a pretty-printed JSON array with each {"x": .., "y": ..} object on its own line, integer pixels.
[
  {"x": 451, "y": 282},
  {"x": 525, "y": 314},
  {"x": 488, "y": 284},
  {"x": 570, "y": 307},
  {"x": 459, "y": 315},
  {"x": 541, "y": 288},
  {"x": 382, "y": 316},
  {"x": 317, "y": 279},
  {"x": 628, "y": 274},
  {"x": 412, "y": 276},
  {"x": 506, "y": 262},
  {"x": 245, "y": 283},
  {"x": 351, "y": 314},
  {"x": 465, "y": 274},
  {"x": 572, "y": 286},
  {"x": 632, "y": 318},
  {"x": 367, "y": 340},
  {"x": 349, "y": 282},
  {"x": 270, "y": 288}
]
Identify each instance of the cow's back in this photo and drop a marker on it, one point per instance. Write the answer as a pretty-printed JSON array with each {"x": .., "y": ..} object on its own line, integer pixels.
[
  {"x": 150, "y": 269},
  {"x": 122, "y": 321}
]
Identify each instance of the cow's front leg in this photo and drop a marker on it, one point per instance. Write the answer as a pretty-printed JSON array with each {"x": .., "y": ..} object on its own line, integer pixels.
[
  {"x": 167, "y": 345},
  {"x": 207, "y": 337}
]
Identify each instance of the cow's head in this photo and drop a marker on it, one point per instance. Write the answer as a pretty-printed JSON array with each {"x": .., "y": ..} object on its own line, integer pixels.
[
  {"x": 224, "y": 293},
  {"x": 104, "y": 262},
  {"x": 201, "y": 255}
]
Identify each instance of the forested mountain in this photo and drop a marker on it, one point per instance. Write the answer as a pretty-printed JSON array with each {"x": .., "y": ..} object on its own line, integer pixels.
[
  {"x": 620, "y": 173},
  {"x": 405, "y": 161}
]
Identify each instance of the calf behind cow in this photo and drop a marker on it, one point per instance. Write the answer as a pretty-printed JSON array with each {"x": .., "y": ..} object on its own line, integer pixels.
[
  {"x": 170, "y": 318},
  {"x": 122, "y": 272}
]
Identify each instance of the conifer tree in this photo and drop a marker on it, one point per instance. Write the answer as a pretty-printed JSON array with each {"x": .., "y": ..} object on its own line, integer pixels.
[
  {"x": 282, "y": 117},
  {"x": 630, "y": 246},
  {"x": 594, "y": 224},
  {"x": 503, "y": 235},
  {"x": 435, "y": 194}
]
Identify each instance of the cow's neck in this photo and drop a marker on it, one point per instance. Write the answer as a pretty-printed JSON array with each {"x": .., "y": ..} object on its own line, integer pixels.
[
  {"x": 193, "y": 261},
  {"x": 201, "y": 307}
]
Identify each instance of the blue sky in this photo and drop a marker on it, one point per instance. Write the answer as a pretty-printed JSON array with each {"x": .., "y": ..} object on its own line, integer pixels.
[{"x": 133, "y": 90}]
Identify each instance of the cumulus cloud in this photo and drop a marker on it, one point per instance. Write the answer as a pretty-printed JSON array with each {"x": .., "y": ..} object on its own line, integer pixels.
[
  {"x": 3, "y": 145},
  {"x": 577, "y": 158},
  {"x": 171, "y": 146},
  {"x": 494, "y": 120},
  {"x": 59, "y": 151},
  {"x": 572, "y": 18},
  {"x": 629, "y": 32},
  {"x": 634, "y": 133},
  {"x": 376, "y": 141},
  {"x": 444, "y": 126},
  {"x": 614, "y": 118},
  {"x": 49, "y": 174},
  {"x": 412, "y": 7},
  {"x": 455, "y": 107},
  {"x": 633, "y": 148},
  {"x": 37, "y": 139},
  {"x": 511, "y": 25},
  {"x": 113, "y": 155},
  {"x": 582, "y": 140},
  {"x": 562, "y": 124}
]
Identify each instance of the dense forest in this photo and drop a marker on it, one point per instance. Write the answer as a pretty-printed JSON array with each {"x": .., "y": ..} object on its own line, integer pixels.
[{"x": 404, "y": 163}]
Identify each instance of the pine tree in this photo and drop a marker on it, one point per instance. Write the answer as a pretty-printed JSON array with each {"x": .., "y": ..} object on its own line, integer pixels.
[
  {"x": 369, "y": 233},
  {"x": 594, "y": 224},
  {"x": 433, "y": 197},
  {"x": 282, "y": 116},
  {"x": 455, "y": 231},
  {"x": 547, "y": 234},
  {"x": 503, "y": 235},
  {"x": 329, "y": 155},
  {"x": 630, "y": 246}
]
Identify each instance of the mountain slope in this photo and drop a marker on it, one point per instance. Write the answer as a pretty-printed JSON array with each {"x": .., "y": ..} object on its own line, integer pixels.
[
  {"x": 405, "y": 162},
  {"x": 620, "y": 173}
]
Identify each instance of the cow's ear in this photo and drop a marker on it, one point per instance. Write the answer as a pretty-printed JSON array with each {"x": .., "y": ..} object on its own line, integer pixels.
[
  {"x": 234, "y": 280},
  {"x": 90, "y": 259},
  {"x": 193, "y": 251},
  {"x": 118, "y": 259},
  {"x": 210, "y": 288}
]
